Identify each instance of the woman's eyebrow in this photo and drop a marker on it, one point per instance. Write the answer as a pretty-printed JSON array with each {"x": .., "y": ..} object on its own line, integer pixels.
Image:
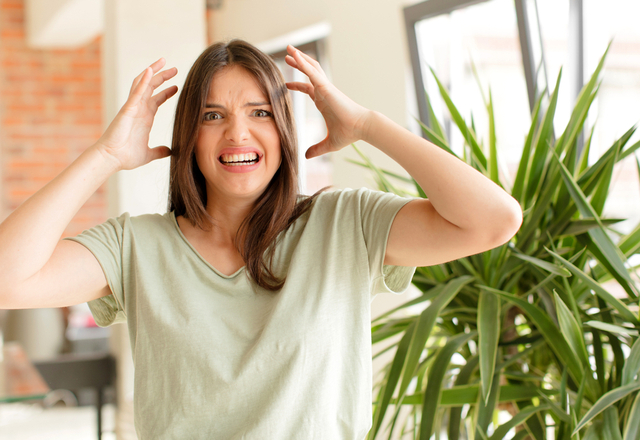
[{"x": 248, "y": 104}]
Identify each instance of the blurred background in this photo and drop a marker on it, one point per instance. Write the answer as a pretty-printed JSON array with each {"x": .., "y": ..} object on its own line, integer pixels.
[{"x": 66, "y": 67}]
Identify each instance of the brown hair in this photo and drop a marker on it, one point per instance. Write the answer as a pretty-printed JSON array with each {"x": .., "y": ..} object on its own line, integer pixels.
[{"x": 279, "y": 206}]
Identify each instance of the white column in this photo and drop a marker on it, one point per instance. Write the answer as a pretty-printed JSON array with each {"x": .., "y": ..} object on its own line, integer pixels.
[{"x": 136, "y": 33}]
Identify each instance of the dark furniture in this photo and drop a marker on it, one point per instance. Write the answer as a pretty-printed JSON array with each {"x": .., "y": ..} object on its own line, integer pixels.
[{"x": 76, "y": 371}]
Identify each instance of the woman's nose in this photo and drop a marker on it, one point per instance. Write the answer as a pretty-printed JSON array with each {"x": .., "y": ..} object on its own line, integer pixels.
[{"x": 237, "y": 129}]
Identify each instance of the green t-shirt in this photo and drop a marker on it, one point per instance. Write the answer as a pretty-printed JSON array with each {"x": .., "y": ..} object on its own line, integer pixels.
[{"x": 218, "y": 358}]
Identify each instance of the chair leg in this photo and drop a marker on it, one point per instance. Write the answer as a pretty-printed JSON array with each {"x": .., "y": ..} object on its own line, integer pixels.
[{"x": 99, "y": 402}]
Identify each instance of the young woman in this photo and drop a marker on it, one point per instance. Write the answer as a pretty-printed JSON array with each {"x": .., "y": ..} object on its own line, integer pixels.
[{"x": 248, "y": 305}]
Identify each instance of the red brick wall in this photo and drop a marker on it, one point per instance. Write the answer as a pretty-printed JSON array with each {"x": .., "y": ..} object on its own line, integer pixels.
[{"x": 50, "y": 111}]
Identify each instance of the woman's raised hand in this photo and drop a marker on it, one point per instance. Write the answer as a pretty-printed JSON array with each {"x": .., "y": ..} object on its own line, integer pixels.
[
  {"x": 346, "y": 120},
  {"x": 126, "y": 140}
]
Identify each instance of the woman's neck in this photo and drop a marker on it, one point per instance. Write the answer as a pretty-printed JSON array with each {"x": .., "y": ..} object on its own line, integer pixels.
[{"x": 227, "y": 217}]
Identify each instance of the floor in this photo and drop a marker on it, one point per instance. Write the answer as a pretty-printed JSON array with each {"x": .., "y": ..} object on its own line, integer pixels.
[{"x": 19, "y": 421}]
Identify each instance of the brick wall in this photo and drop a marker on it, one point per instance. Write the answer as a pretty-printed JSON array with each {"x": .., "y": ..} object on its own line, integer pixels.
[{"x": 50, "y": 111}]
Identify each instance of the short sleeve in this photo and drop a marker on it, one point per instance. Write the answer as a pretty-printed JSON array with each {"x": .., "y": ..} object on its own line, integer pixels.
[
  {"x": 378, "y": 210},
  {"x": 107, "y": 243}
]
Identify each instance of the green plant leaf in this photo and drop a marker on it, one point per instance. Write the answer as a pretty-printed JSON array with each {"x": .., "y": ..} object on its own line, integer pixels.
[
  {"x": 426, "y": 296},
  {"x": 455, "y": 413},
  {"x": 519, "y": 185},
  {"x": 599, "y": 290},
  {"x": 489, "y": 334},
  {"x": 401, "y": 178},
  {"x": 632, "y": 149},
  {"x": 580, "y": 226},
  {"x": 468, "y": 395},
  {"x": 485, "y": 409},
  {"x": 493, "y": 151},
  {"x": 588, "y": 182},
  {"x": 433, "y": 120},
  {"x": 550, "y": 332},
  {"x": 423, "y": 328},
  {"x": 610, "y": 427},
  {"x": 586, "y": 149},
  {"x": 560, "y": 414},
  {"x": 383, "y": 182},
  {"x": 632, "y": 364},
  {"x": 522, "y": 435},
  {"x": 612, "y": 328},
  {"x": 598, "y": 354},
  {"x": 437, "y": 373},
  {"x": 602, "y": 190},
  {"x": 542, "y": 142},
  {"x": 606, "y": 401},
  {"x": 598, "y": 235},
  {"x": 518, "y": 419},
  {"x": 435, "y": 139},
  {"x": 630, "y": 243},
  {"x": 572, "y": 332},
  {"x": 468, "y": 135},
  {"x": 391, "y": 379},
  {"x": 549, "y": 267},
  {"x": 632, "y": 430},
  {"x": 604, "y": 268},
  {"x": 532, "y": 220}
]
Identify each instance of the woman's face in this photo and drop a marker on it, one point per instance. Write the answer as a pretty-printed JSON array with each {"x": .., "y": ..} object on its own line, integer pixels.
[{"x": 238, "y": 146}]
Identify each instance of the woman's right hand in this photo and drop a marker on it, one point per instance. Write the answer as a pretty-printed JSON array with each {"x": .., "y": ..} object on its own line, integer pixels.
[{"x": 126, "y": 140}]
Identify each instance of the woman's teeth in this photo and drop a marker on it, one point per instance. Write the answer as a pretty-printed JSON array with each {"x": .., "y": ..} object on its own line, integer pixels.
[{"x": 239, "y": 159}]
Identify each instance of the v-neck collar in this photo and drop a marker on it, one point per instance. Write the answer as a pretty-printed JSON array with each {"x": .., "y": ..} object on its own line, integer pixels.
[{"x": 193, "y": 249}]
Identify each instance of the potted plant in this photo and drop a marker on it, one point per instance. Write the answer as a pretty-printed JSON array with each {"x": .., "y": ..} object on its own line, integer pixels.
[{"x": 528, "y": 327}]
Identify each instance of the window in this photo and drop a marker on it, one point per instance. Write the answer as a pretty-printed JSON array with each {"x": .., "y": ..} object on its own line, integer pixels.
[
  {"x": 315, "y": 173},
  {"x": 518, "y": 52}
]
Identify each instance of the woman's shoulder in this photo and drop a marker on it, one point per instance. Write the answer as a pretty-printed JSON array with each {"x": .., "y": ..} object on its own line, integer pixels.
[
  {"x": 349, "y": 197},
  {"x": 336, "y": 195},
  {"x": 140, "y": 224}
]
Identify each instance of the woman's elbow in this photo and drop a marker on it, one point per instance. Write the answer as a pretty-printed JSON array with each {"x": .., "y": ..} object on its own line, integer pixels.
[{"x": 509, "y": 222}]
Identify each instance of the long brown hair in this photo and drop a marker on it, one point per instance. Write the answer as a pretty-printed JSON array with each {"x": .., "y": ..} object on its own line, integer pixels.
[{"x": 279, "y": 206}]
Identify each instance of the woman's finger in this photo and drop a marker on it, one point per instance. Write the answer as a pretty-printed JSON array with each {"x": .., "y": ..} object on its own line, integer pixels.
[
  {"x": 302, "y": 87},
  {"x": 138, "y": 91},
  {"x": 162, "y": 96},
  {"x": 155, "y": 67},
  {"x": 291, "y": 61},
  {"x": 163, "y": 76},
  {"x": 318, "y": 149},
  {"x": 159, "y": 152},
  {"x": 311, "y": 61},
  {"x": 159, "y": 79},
  {"x": 305, "y": 67}
]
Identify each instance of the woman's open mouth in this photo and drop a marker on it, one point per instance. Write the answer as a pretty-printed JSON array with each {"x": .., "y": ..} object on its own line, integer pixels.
[{"x": 235, "y": 160}]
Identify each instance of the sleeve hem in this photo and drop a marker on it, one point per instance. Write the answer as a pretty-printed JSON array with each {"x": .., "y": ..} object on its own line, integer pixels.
[
  {"x": 393, "y": 279},
  {"x": 108, "y": 309}
]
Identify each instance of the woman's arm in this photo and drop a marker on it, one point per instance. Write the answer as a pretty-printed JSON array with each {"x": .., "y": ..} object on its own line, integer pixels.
[
  {"x": 466, "y": 213},
  {"x": 36, "y": 268}
]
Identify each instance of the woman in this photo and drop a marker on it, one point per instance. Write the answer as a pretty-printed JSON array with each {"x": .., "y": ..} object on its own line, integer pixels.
[{"x": 248, "y": 306}]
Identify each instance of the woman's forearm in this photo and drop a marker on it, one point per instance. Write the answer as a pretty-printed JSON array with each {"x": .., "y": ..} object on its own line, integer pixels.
[
  {"x": 29, "y": 235},
  {"x": 459, "y": 193}
]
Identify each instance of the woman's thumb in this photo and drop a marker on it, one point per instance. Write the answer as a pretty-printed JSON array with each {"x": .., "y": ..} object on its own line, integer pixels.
[
  {"x": 318, "y": 149},
  {"x": 159, "y": 152}
]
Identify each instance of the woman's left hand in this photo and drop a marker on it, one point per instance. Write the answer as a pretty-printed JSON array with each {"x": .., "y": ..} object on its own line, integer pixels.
[{"x": 346, "y": 120}]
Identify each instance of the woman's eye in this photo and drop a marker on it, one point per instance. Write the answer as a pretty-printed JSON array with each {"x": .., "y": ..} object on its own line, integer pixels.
[
  {"x": 262, "y": 113},
  {"x": 211, "y": 116}
]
